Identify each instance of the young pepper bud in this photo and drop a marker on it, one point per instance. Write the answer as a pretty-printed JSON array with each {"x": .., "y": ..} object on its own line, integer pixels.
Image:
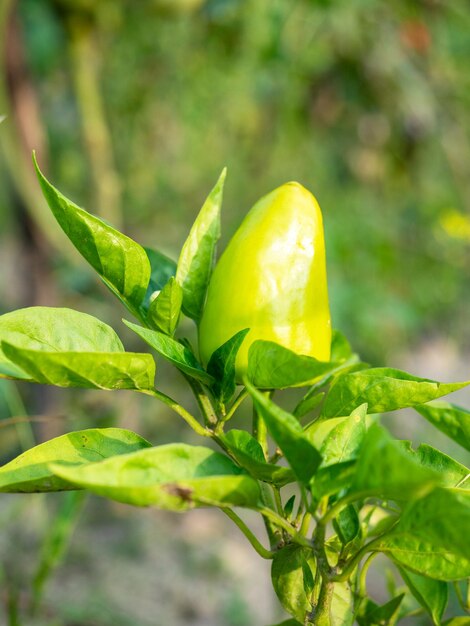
[{"x": 272, "y": 279}]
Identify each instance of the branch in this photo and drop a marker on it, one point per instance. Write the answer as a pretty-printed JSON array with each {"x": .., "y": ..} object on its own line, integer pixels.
[
  {"x": 260, "y": 549},
  {"x": 177, "y": 408}
]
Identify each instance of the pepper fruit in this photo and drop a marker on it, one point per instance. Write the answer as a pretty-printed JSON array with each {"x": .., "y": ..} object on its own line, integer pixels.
[{"x": 272, "y": 279}]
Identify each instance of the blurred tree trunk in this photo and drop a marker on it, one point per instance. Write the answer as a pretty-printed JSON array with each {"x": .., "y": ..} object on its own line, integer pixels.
[{"x": 25, "y": 133}]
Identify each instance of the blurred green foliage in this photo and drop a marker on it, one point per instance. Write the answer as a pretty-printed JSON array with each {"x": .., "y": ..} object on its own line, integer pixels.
[{"x": 365, "y": 102}]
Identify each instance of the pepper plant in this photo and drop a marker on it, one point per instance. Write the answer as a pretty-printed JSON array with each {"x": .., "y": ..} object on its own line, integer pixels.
[{"x": 333, "y": 488}]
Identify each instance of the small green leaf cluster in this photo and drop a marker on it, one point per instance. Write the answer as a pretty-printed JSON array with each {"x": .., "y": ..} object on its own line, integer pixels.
[{"x": 333, "y": 487}]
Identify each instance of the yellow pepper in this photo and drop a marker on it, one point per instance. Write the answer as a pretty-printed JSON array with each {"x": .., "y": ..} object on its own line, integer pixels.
[{"x": 272, "y": 279}]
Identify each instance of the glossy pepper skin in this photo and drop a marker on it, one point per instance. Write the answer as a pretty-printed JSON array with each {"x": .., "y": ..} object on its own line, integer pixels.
[{"x": 272, "y": 279}]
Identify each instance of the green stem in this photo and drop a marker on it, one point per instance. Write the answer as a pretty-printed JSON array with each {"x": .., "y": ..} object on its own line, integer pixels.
[
  {"x": 307, "y": 518},
  {"x": 260, "y": 432},
  {"x": 284, "y": 524},
  {"x": 236, "y": 403},
  {"x": 355, "y": 560},
  {"x": 277, "y": 500},
  {"x": 362, "y": 584},
  {"x": 182, "y": 412},
  {"x": 203, "y": 401},
  {"x": 321, "y": 613},
  {"x": 319, "y": 550},
  {"x": 260, "y": 549},
  {"x": 460, "y": 598},
  {"x": 362, "y": 588},
  {"x": 273, "y": 531}
]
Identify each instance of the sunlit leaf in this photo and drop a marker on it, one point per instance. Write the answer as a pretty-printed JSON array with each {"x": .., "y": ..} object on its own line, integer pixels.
[
  {"x": 383, "y": 389},
  {"x": 173, "y": 351},
  {"x": 174, "y": 477},
  {"x": 286, "y": 431},
  {"x": 30, "y": 472},
  {"x": 431, "y": 537},
  {"x": 431, "y": 594},
  {"x": 450, "y": 419},
  {"x": 221, "y": 367},
  {"x": 121, "y": 262},
  {"x": 271, "y": 366},
  {"x": 164, "y": 310},
  {"x": 197, "y": 255}
]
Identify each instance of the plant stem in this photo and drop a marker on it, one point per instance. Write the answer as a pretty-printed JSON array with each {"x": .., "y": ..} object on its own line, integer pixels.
[
  {"x": 182, "y": 412},
  {"x": 203, "y": 400},
  {"x": 307, "y": 518},
  {"x": 460, "y": 598},
  {"x": 355, "y": 560},
  {"x": 236, "y": 403},
  {"x": 321, "y": 613},
  {"x": 361, "y": 593},
  {"x": 277, "y": 500},
  {"x": 319, "y": 550},
  {"x": 362, "y": 589},
  {"x": 260, "y": 549},
  {"x": 260, "y": 432},
  {"x": 284, "y": 524}
]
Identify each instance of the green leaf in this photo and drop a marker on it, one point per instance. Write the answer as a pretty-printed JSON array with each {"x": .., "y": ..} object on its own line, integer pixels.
[
  {"x": 457, "y": 621},
  {"x": 197, "y": 255},
  {"x": 341, "y": 610},
  {"x": 317, "y": 432},
  {"x": 288, "y": 622},
  {"x": 287, "y": 577},
  {"x": 450, "y": 419},
  {"x": 49, "y": 328},
  {"x": 30, "y": 472},
  {"x": 375, "y": 615},
  {"x": 431, "y": 594},
  {"x": 386, "y": 469},
  {"x": 162, "y": 268},
  {"x": 289, "y": 507},
  {"x": 344, "y": 441},
  {"x": 286, "y": 431},
  {"x": 121, "y": 262},
  {"x": 347, "y": 524},
  {"x": 340, "y": 347},
  {"x": 452, "y": 473},
  {"x": 249, "y": 454},
  {"x": 221, "y": 367},
  {"x": 308, "y": 404},
  {"x": 91, "y": 370},
  {"x": 164, "y": 310},
  {"x": 289, "y": 574},
  {"x": 67, "y": 348},
  {"x": 171, "y": 350},
  {"x": 316, "y": 394},
  {"x": 307, "y": 577},
  {"x": 384, "y": 389},
  {"x": 431, "y": 537},
  {"x": 332, "y": 479},
  {"x": 174, "y": 477},
  {"x": 271, "y": 366}
]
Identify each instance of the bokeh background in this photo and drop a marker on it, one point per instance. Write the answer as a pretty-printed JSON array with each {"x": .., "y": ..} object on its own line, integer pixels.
[{"x": 133, "y": 109}]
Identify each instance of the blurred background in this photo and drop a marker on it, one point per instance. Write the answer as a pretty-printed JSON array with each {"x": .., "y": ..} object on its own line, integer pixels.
[{"x": 133, "y": 109}]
